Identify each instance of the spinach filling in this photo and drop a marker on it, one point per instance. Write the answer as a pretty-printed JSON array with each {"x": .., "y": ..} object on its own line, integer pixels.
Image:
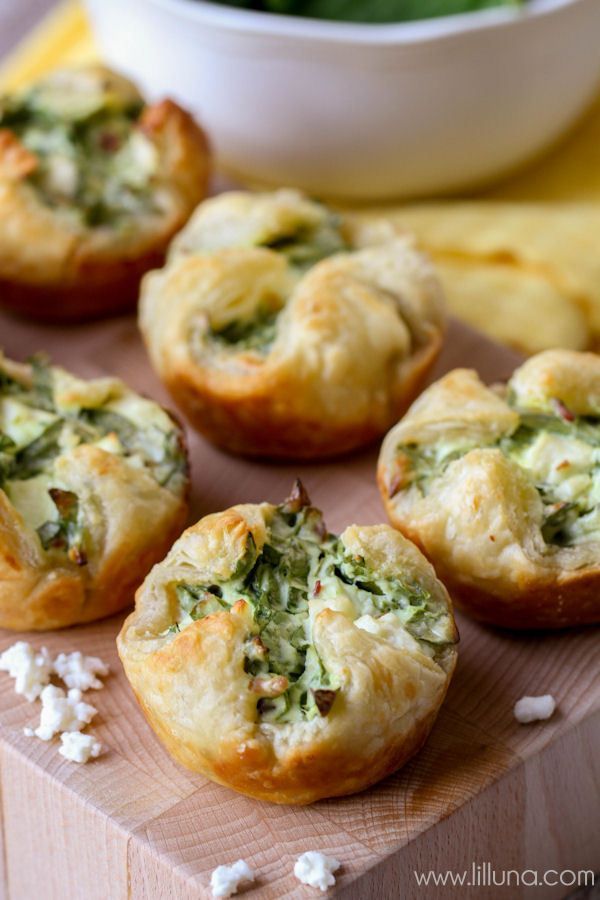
[
  {"x": 34, "y": 432},
  {"x": 303, "y": 248},
  {"x": 91, "y": 160},
  {"x": 558, "y": 450},
  {"x": 307, "y": 245},
  {"x": 300, "y": 562},
  {"x": 370, "y": 11},
  {"x": 257, "y": 333},
  {"x": 66, "y": 533}
]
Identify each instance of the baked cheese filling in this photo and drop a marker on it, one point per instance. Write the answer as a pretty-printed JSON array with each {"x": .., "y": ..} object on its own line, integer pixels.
[
  {"x": 303, "y": 246},
  {"x": 300, "y": 570},
  {"x": 308, "y": 243},
  {"x": 42, "y": 420},
  {"x": 89, "y": 158},
  {"x": 560, "y": 453}
]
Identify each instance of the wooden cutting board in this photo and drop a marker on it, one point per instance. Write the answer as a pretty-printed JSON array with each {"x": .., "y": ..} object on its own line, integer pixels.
[{"x": 134, "y": 824}]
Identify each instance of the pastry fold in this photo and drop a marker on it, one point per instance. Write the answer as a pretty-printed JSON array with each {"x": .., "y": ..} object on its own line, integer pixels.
[
  {"x": 287, "y": 663},
  {"x": 283, "y": 330},
  {"x": 94, "y": 183},
  {"x": 93, "y": 491},
  {"x": 500, "y": 487}
]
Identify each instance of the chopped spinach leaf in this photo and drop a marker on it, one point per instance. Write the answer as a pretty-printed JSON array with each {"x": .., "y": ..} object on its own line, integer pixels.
[
  {"x": 108, "y": 422},
  {"x": 307, "y": 246},
  {"x": 557, "y": 520},
  {"x": 299, "y": 561},
  {"x": 174, "y": 467},
  {"x": 370, "y": 11},
  {"x": 66, "y": 533},
  {"x": 92, "y": 160},
  {"x": 257, "y": 333},
  {"x": 564, "y": 521},
  {"x": 39, "y": 454},
  {"x": 29, "y": 408},
  {"x": 199, "y": 601},
  {"x": 8, "y": 385},
  {"x": 43, "y": 392},
  {"x": 376, "y": 595},
  {"x": 7, "y": 457}
]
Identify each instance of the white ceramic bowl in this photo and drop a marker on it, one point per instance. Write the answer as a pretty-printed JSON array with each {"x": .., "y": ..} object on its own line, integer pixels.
[{"x": 364, "y": 111}]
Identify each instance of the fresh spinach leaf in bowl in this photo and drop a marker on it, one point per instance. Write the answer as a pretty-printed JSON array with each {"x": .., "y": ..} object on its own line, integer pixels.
[{"x": 374, "y": 12}]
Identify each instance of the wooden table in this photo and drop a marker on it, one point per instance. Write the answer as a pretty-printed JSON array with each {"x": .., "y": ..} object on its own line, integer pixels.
[{"x": 135, "y": 825}]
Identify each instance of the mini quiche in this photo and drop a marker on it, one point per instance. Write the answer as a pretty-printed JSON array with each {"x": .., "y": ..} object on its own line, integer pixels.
[
  {"x": 501, "y": 489},
  {"x": 93, "y": 491},
  {"x": 283, "y": 330},
  {"x": 286, "y": 662},
  {"x": 93, "y": 185}
]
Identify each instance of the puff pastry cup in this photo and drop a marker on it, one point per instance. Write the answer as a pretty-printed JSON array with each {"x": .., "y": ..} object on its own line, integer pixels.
[
  {"x": 500, "y": 487},
  {"x": 93, "y": 491},
  {"x": 285, "y": 662},
  {"x": 93, "y": 185},
  {"x": 282, "y": 330}
]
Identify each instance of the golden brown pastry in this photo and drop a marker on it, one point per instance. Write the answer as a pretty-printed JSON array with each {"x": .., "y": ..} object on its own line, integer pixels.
[
  {"x": 282, "y": 330},
  {"x": 93, "y": 185},
  {"x": 93, "y": 490},
  {"x": 500, "y": 487},
  {"x": 285, "y": 662}
]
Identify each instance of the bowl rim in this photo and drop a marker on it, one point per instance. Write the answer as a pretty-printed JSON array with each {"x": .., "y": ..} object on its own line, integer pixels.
[{"x": 230, "y": 18}]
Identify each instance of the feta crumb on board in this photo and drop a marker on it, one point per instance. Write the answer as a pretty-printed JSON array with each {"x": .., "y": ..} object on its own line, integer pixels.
[
  {"x": 316, "y": 870},
  {"x": 78, "y": 747},
  {"x": 532, "y": 709},
  {"x": 80, "y": 671},
  {"x": 30, "y": 668},
  {"x": 62, "y": 712},
  {"x": 225, "y": 880}
]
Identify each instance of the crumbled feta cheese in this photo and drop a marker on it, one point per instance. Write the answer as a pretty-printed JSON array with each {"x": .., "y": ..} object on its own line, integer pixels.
[
  {"x": 139, "y": 158},
  {"x": 225, "y": 880},
  {"x": 316, "y": 870},
  {"x": 532, "y": 709},
  {"x": 79, "y": 671},
  {"x": 62, "y": 176},
  {"x": 79, "y": 748},
  {"x": 62, "y": 712},
  {"x": 30, "y": 668}
]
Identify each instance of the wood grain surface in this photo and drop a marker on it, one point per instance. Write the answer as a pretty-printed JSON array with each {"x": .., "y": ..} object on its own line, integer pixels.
[{"x": 134, "y": 824}]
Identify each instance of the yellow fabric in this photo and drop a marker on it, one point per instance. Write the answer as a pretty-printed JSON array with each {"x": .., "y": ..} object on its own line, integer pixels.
[
  {"x": 570, "y": 172},
  {"x": 63, "y": 36},
  {"x": 541, "y": 223}
]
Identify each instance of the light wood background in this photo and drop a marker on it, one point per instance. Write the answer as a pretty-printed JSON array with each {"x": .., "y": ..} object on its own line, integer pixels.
[{"x": 133, "y": 825}]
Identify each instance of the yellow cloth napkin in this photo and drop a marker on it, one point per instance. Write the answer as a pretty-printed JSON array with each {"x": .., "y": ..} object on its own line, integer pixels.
[
  {"x": 520, "y": 261},
  {"x": 62, "y": 37}
]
